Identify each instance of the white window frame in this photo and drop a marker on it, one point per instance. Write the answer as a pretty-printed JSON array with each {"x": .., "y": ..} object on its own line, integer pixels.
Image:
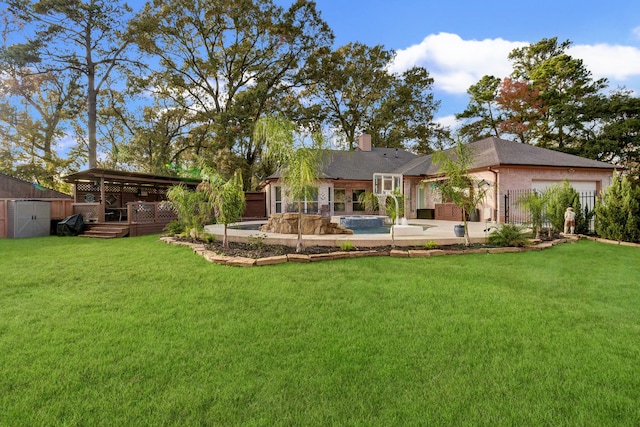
[{"x": 387, "y": 183}]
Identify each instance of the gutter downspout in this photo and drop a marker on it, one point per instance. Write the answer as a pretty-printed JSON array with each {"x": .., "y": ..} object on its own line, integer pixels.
[{"x": 495, "y": 195}]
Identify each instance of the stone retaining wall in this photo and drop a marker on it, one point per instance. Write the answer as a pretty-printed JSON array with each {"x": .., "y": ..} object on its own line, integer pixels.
[{"x": 211, "y": 256}]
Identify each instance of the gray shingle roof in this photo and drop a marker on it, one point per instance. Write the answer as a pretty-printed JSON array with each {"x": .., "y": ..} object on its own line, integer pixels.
[
  {"x": 361, "y": 165},
  {"x": 501, "y": 152}
]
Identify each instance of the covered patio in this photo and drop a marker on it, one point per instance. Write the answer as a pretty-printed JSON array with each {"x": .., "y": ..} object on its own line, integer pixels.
[{"x": 128, "y": 203}]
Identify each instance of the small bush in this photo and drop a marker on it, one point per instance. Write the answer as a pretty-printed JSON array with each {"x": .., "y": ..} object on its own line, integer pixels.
[
  {"x": 256, "y": 241},
  {"x": 347, "y": 246},
  {"x": 509, "y": 235},
  {"x": 208, "y": 238},
  {"x": 174, "y": 227},
  {"x": 430, "y": 245}
]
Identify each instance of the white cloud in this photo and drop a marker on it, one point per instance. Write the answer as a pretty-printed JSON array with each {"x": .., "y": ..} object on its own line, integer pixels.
[
  {"x": 449, "y": 121},
  {"x": 611, "y": 61},
  {"x": 66, "y": 142},
  {"x": 454, "y": 63}
]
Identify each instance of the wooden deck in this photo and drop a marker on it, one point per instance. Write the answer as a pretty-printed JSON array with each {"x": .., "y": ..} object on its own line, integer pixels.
[{"x": 138, "y": 219}]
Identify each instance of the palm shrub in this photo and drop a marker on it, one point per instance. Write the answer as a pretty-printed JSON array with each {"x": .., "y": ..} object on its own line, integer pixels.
[
  {"x": 617, "y": 215},
  {"x": 192, "y": 208},
  {"x": 536, "y": 204},
  {"x": 392, "y": 211},
  {"x": 370, "y": 201},
  {"x": 226, "y": 198},
  {"x": 299, "y": 165},
  {"x": 509, "y": 235},
  {"x": 458, "y": 185}
]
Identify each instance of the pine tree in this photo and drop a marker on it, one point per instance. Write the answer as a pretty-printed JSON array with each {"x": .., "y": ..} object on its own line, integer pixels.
[{"x": 615, "y": 213}]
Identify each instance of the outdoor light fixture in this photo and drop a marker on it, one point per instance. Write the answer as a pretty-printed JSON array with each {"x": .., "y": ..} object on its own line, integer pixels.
[{"x": 483, "y": 183}]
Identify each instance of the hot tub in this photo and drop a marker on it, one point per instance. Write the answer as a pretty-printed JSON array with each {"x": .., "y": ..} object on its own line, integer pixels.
[{"x": 360, "y": 222}]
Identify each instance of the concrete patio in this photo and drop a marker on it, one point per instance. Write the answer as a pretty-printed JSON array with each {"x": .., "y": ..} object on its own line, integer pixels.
[{"x": 440, "y": 232}]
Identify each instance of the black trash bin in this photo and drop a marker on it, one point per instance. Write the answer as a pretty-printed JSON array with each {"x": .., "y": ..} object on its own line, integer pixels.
[{"x": 71, "y": 226}]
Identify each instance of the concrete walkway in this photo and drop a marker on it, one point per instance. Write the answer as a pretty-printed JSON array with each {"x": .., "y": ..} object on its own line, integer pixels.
[{"x": 440, "y": 232}]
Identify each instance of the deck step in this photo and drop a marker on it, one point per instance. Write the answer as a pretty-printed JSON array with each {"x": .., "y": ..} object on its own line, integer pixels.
[{"x": 105, "y": 231}]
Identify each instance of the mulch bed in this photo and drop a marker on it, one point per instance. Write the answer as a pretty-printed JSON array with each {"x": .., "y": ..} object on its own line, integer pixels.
[
  {"x": 257, "y": 250},
  {"x": 258, "y": 253}
]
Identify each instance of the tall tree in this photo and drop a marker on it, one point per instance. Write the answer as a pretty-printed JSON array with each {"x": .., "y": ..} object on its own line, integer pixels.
[
  {"x": 34, "y": 114},
  {"x": 81, "y": 37},
  {"x": 404, "y": 116},
  {"x": 614, "y": 134},
  {"x": 230, "y": 62},
  {"x": 35, "y": 111},
  {"x": 545, "y": 101},
  {"x": 348, "y": 84},
  {"x": 561, "y": 84},
  {"x": 521, "y": 106},
  {"x": 482, "y": 116},
  {"x": 353, "y": 92}
]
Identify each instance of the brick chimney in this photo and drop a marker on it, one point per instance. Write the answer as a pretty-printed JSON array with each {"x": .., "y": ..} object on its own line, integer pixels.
[{"x": 364, "y": 142}]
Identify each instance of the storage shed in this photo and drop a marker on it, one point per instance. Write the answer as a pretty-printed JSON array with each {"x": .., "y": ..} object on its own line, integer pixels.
[{"x": 13, "y": 191}]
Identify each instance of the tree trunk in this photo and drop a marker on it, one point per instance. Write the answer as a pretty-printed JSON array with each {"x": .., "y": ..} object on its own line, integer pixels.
[
  {"x": 92, "y": 96},
  {"x": 299, "y": 244}
]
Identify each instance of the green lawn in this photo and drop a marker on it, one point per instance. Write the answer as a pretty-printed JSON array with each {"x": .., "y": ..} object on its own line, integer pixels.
[{"x": 136, "y": 332}]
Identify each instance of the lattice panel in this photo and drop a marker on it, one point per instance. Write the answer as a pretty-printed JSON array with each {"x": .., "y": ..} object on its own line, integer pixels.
[
  {"x": 129, "y": 189},
  {"x": 166, "y": 212},
  {"x": 112, "y": 188},
  {"x": 89, "y": 211},
  {"x": 143, "y": 212},
  {"x": 87, "y": 186}
]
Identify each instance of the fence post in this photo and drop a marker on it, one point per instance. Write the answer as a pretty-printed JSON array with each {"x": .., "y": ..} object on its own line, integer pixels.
[{"x": 506, "y": 207}]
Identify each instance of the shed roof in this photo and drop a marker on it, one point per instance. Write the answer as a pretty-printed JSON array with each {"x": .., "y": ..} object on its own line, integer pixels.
[
  {"x": 127, "y": 177},
  {"x": 12, "y": 187}
]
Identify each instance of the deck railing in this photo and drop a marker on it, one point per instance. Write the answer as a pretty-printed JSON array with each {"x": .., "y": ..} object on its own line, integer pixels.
[
  {"x": 150, "y": 212},
  {"x": 89, "y": 211},
  {"x": 136, "y": 212}
]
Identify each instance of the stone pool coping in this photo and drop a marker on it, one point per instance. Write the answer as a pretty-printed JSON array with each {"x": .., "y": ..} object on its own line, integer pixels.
[{"x": 211, "y": 256}]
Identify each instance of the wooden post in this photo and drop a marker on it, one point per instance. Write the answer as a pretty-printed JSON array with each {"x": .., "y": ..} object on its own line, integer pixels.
[{"x": 102, "y": 209}]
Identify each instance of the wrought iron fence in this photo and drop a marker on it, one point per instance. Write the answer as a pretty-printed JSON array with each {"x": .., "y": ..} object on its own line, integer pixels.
[{"x": 514, "y": 213}]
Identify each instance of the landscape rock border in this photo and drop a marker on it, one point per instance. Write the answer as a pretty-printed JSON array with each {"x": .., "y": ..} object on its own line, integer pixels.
[{"x": 211, "y": 256}]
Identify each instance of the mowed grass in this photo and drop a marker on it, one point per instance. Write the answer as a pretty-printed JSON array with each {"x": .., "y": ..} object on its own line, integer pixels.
[{"x": 134, "y": 332}]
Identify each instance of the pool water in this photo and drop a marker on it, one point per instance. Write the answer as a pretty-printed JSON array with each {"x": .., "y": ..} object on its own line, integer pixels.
[
  {"x": 385, "y": 229},
  {"x": 246, "y": 226}
]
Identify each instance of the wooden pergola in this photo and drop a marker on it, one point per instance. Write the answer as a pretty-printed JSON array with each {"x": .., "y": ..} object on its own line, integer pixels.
[{"x": 105, "y": 196}]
